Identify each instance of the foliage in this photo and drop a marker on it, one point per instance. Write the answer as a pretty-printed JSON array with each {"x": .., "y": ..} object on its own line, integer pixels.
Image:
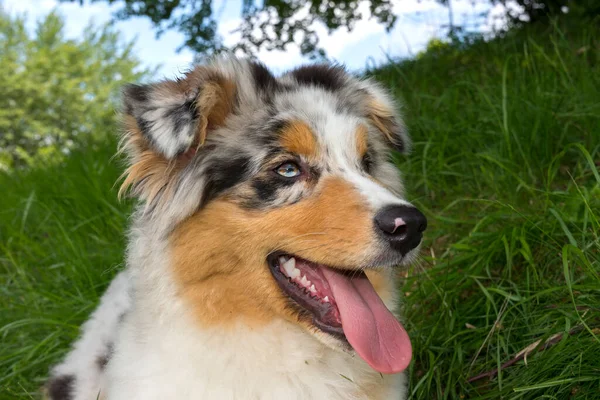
[
  {"x": 542, "y": 10},
  {"x": 507, "y": 146},
  {"x": 276, "y": 24},
  {"x": 272, "y": 24},
  {"x": 57, "y": 92}
]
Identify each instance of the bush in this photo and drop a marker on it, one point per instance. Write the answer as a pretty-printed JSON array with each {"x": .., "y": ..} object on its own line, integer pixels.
[{"x": 56, "y": 92}]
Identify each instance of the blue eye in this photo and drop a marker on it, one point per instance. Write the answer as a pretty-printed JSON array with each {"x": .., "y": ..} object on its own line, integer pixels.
[{"x": 288, "y": 170}]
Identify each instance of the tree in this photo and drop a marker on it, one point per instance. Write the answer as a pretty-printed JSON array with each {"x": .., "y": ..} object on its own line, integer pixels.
[
  {"x": 275, "y": 24},
  {"x": 57, "y": 93},
  {"x": 542, "y": 10},
  {"x": 269, "y": 24}
]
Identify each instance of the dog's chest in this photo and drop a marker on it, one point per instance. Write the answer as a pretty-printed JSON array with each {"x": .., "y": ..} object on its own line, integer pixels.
[{"x": 281, "y": 362}]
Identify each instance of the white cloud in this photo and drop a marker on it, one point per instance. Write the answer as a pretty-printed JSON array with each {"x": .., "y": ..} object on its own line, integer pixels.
[{"x": 340, "y": 40}]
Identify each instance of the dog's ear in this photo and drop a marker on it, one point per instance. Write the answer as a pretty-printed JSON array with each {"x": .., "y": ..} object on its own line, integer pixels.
[
  {"x": 384, "y": 114},
  {"x": 166, "y": 123}
]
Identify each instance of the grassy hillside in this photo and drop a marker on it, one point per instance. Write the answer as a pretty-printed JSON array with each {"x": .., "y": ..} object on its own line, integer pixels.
[{"x": 505, "y": 165}]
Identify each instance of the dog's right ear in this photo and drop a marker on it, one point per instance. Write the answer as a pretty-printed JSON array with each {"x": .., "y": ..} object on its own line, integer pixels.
[{"x": 165, "y": 123}]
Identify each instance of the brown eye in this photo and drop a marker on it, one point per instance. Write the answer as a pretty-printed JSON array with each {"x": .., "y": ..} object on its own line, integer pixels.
[{"x": 288, "y": 170}]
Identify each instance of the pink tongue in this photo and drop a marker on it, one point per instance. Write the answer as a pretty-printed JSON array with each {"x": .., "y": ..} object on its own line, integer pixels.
[{"x": 372, "y": 330}]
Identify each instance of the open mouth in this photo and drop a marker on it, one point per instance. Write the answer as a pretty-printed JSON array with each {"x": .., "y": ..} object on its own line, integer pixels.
[{"x": 344, "y": 304}]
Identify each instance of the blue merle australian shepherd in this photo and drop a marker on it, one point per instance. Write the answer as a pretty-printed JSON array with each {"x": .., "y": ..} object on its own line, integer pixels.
[{"x": 263, "y": 255}]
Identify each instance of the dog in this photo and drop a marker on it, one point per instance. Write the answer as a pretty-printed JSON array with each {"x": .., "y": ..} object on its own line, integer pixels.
[{"x": 263, "y": 254}]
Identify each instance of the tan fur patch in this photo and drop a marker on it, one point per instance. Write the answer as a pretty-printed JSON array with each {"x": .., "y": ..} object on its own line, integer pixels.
[
  {"x": 382, "y": 117},
  {"x": 219, "y": 254},
  {"x": 362, "y": 136},
  {"x": 150, "y": 172},
  {"x": 214, "y": 104},
  {"x": 298, "y": 138}
]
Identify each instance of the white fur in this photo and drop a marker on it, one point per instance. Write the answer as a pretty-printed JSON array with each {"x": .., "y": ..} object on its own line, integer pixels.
[{"x": 96, "y": 339}]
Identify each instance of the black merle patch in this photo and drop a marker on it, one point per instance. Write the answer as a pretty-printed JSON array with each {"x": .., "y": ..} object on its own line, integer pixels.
[
  {"x": 122, "y": 317},
  {"x": 134, "y": 94},
  {"x": 61, "y": 387},
  {"x": 264, "y": 80},
  {"x": 137, "y": 93},
  {"x": 325, "y": 76},
  {"x": 278, "y": 125},
  {"x": 182, "y": 115},
  {"x": 368, "y": 160},
  {"x": 267, "y": 135},
  {"x": 145, "y": 127},
  {"x": 224, "y": 174},
  {"x": 102, "y": 360},
  {"x": 265, "y": 189}
]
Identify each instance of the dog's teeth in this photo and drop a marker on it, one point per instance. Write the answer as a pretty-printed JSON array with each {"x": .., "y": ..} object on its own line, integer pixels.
[
  {"x": 291, "y": 262},
  {"x": 312, "y": 289},
  {"x": 326, "y": 299},
  {"x": 304, "y": 282},
  {"x": 282, "y": 260},
  {"x": 287, "y": 269},
  {"x": 290, "y": 268}
]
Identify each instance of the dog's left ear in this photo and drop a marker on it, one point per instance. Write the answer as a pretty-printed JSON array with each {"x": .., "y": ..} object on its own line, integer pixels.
[
  {"x": 165, "y": 124},
  {"x": 384, "y": 114},
  {"x": 174, "y": 115}
]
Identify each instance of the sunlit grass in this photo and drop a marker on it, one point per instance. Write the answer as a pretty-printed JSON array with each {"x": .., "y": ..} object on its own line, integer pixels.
[{"x": 505, "y": 165}]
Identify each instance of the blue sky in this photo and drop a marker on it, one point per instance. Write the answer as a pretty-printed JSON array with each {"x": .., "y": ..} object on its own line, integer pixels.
[{"x": 368, "y": 43}]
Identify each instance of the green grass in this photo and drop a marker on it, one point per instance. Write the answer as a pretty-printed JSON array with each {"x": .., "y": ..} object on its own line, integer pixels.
[{"x": 505, "y": 165}]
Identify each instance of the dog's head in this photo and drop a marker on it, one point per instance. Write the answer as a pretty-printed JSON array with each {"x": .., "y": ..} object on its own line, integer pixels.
[{"x": 278, "y": 198}]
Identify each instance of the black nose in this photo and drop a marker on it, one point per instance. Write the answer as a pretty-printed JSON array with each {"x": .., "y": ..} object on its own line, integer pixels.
[{"x": 402, "y": 226}]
